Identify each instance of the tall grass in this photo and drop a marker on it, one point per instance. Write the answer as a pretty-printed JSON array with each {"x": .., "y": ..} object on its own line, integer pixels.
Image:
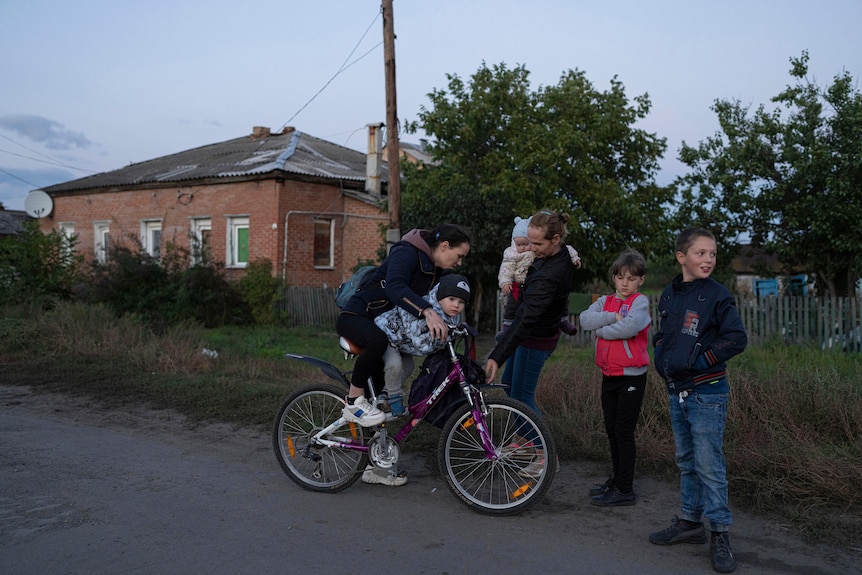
[
  {"x": 794, "y": 427},
  {"x": 793, "y": 440}
]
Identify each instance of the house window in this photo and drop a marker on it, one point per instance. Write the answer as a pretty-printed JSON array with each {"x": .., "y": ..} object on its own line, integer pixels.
[
  {"x": 324, "y": 243},
  {"x": 102, "y": 237},
  {"x": 67, "y": 230},
  {"x": 201, "y": 240},
  {"x": 237, "y": 245},
  {"x": 151, "y": 237}
]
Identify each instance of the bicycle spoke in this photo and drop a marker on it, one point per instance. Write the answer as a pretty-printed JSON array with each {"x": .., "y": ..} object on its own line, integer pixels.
[
  {"x": 517, "y": 478},
  {"x": 307, "y": 462}
]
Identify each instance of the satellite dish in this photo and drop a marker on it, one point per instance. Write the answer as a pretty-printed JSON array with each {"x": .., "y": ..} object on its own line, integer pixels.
[{"x": 38, "y": 204}]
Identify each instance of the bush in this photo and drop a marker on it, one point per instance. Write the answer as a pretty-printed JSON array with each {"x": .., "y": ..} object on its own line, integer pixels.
[
  {"x": 37, "y": 266},
  {"x": 260, "y": 290},
  {"x": 166, "y": 292}
]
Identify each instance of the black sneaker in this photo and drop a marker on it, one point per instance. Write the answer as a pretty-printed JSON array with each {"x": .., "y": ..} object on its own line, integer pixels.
[
  {"x": 613, "y": 497},
  {"x": 600, "y": 488},
  {"x": 676, "y": 533},
  {"x": 720, "y": 554}
]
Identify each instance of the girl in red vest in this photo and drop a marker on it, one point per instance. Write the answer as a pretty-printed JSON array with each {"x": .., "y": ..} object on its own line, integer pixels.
[{"x": 621, "y": 323}]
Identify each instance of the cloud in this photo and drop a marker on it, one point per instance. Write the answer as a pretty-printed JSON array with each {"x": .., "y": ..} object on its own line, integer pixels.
[{"x": 51, "y": 134}]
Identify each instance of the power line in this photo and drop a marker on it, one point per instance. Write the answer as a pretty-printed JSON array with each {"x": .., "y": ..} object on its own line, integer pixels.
[
  {"x": 10, "y": 174},
  {"x": 344, "y": 66},
  {"x": 47, "y": 160},
  {"x": 51, "y": 162},
  {"x": 37, "y": 152}
]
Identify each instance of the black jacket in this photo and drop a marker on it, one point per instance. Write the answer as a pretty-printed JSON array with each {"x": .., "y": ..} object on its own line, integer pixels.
[
  {"x": 699, "y": 330},
  {"x": 544, "y": 300}
]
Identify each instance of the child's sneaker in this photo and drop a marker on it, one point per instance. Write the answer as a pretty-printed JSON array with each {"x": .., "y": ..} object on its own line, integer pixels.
[
  {"x": 680, "y": 531},
  {"x": 602, "y": 488},
  {"x": 363, "y": 413},
  {"x": 396, "y": 405},
  {"x": 383, "y": 402},
  {"x": 568, "y": 327},
  {"x": 613, "y": 497}
]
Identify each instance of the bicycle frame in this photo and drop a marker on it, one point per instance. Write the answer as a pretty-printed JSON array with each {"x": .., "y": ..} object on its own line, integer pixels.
[
  {"x": 494, "y": 452},
  {"x": 474, "y": 396}
]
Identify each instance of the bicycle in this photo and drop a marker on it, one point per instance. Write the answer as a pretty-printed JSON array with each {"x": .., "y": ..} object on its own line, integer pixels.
[{"x": 489, "y": 451}]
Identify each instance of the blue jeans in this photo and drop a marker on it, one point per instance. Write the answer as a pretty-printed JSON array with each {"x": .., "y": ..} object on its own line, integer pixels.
[
  {"x": 521, "y": 374},
  {"x": 698, "y": 431}
]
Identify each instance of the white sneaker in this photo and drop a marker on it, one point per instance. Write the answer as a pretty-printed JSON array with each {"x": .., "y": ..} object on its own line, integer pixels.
[
  {"x": 536, "y": 467},
  {"x": 374, "y": 475},
  {"x": 363, "y": 413}
]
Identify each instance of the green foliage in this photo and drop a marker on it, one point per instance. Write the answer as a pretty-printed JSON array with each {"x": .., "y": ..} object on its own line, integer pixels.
[
  {"x": 165, "y": 292},
  {"x": 36, "y": 266},
  {"x": 261, "y": 290},
  {"x": 504, "y": 150},
  {"x": 790, "y": 175}
]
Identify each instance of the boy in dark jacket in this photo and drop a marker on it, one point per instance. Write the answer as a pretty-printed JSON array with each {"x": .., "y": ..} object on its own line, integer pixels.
[{"x": 699, "y": 331}]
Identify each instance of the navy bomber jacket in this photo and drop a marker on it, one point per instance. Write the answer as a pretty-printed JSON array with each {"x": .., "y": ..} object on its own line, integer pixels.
[
  {"x": 407, "y": 274},
  {"x": 699, "y": 330}
]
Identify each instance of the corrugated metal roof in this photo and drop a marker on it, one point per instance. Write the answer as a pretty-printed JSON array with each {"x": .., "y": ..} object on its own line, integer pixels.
[
  {"x": 418, "y": 152},
  {"x": 12, "y": 222},
  {"x": 290, "y": 151}
]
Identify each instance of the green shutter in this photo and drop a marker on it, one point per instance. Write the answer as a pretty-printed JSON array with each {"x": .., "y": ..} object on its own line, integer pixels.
[{"x": 242, "y": 246}]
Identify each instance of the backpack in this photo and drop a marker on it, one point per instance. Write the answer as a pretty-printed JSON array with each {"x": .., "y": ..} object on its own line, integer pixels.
[
  {"x": 346, "y": 290},
  {"x": 434, "y": 370}
]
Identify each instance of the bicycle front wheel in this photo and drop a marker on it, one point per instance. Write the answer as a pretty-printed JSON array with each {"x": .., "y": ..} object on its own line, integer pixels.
[
  {"x": 525, "y": 463},
  {"x": 309, "y": 463}
]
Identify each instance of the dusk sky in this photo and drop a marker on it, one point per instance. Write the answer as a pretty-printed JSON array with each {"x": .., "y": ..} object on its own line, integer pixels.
[{"x": 93, "y": 85}]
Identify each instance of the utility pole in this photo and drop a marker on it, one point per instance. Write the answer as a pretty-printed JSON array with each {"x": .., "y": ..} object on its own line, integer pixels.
[{"x": 392, "y": 147}]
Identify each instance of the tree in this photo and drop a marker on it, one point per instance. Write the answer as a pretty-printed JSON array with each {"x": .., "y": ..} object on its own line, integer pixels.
[
  {"x": 503, "y": 150},
  {"x": 35, "y": 266},
  {"x": 790, "y": 176}
]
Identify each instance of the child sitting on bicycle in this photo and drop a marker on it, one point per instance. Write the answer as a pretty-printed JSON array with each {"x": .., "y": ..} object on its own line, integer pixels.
[{"x": 409, "y": 335}]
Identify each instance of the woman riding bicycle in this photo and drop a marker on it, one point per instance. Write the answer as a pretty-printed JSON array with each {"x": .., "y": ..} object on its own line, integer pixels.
[{"x": 413, "y": 267}]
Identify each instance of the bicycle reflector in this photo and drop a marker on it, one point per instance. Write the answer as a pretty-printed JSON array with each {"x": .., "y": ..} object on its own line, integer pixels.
[{"x": 521, "y": 490}]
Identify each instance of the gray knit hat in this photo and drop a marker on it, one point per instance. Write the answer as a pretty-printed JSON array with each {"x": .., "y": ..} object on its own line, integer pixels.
[{"x": 520, "y": 229}]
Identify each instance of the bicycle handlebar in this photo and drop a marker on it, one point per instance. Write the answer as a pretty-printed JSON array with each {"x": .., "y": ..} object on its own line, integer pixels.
[{"x": 461, "y": 330}]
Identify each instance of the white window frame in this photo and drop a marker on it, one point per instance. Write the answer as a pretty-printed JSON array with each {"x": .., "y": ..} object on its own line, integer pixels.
[
  {"x": 197, "y": 227},
  {"x": 234, "y": 225},
  {"x": 151, "y": 237},
  {"x": 101, "y": 240},
  {"x": 324, "y": 222}
]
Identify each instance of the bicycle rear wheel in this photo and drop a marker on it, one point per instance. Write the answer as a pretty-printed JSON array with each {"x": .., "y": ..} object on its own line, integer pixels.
[
  {"x": 311, "y": 465},
  {"x": 524, "y": 468}
]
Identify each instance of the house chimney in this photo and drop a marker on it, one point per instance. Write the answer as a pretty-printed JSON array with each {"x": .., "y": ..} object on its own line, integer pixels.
[
  {"x": 423, "y": 144},
  {"x": 259, "y": 132},
  {"x": 374, "y": 162}
]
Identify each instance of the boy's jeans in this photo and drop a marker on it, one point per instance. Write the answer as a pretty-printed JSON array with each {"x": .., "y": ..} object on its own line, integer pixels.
[{"x": 698, "y": 430}]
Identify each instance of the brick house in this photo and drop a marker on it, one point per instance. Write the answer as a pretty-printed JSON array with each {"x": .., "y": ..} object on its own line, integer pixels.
[{"x": 313, "y": 208}]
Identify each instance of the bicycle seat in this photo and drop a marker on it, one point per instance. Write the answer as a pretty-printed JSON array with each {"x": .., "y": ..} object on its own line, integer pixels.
[{"x": 348, "y": 346}]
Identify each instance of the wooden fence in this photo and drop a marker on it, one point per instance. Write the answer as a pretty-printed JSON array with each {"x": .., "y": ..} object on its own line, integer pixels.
[{"x": 823, "y": 322}]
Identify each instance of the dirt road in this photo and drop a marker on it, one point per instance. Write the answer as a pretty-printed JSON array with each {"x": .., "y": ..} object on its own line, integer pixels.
[{"x": 85, "y": 489}]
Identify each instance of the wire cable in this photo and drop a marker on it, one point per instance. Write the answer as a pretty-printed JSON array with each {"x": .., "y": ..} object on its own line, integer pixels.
[
  {"x": 344, "y": 66},
  {"x": 11, "y": 175}
]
